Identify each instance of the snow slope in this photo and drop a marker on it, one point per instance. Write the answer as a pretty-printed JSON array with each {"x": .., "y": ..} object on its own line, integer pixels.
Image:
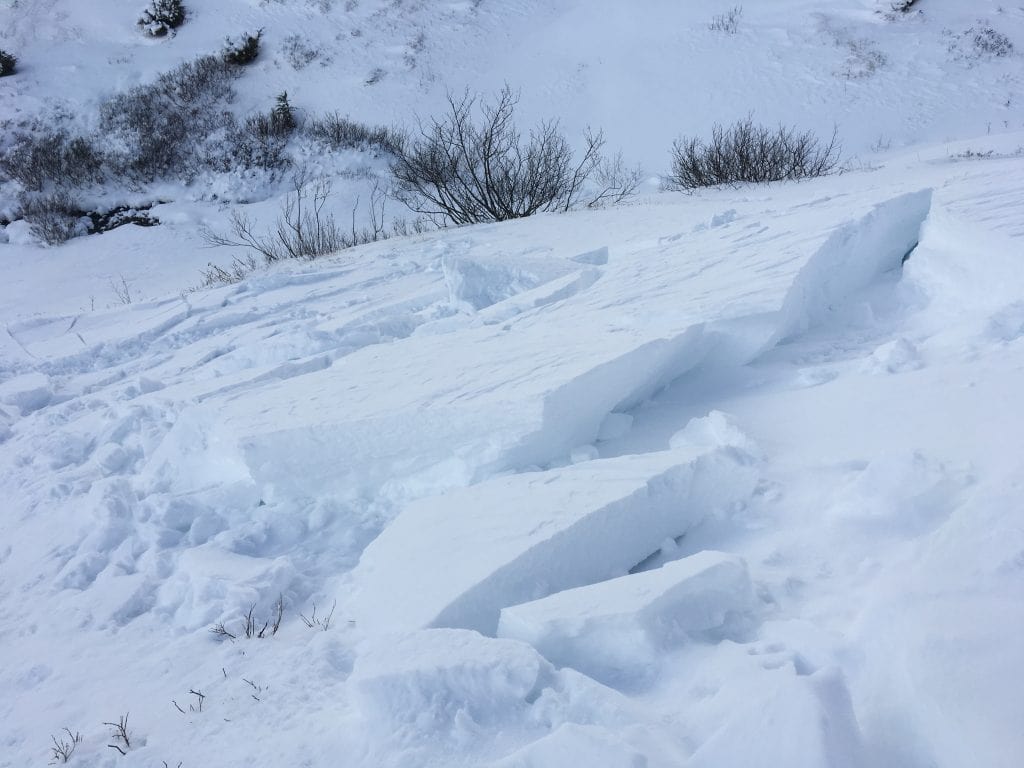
[{"x": 727, "y": 480}]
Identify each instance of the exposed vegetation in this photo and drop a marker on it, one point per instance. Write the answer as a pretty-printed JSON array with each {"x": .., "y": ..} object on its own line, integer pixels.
[
  {"x": 162, "y": 17},
  {"x": 474, "y": 165},
  {"x": 746, "y": 152}
]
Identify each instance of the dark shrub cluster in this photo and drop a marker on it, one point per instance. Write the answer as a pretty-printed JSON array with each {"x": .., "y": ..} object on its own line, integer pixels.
[
  {"x": 981, "y": 41},
  {"x": 164, "y": 128},
  {"x": 53, "y": 218},
  {"x": 51, "y": 156},
  {"x": 8, "y": 61},
  {"x": 243, "y": 51},
  {"x": 746, "y": 152},
  {"x": 260, "y": 142},
  {"x": 338, "y": 132},
  {"x": 162, "y": 17}
]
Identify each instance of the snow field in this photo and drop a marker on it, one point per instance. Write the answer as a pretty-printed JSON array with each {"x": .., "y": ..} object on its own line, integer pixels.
[{"x": 715, "y": 480}]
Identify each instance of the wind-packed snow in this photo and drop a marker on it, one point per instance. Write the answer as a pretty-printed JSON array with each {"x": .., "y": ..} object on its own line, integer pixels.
[{"x": 727, "y": 480}]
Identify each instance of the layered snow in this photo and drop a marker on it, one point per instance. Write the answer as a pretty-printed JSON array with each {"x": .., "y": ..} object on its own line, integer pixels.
[
  {"x": 728, "y": 479},
  {"x": 615, "y": 629}
]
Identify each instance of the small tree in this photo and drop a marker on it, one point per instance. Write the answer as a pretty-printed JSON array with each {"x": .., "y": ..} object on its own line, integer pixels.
[
  {"x": 7, "y": 63},
  {"x": 282, "y": 116},
  {"x": 162, "y": 16},
  {"x": 473, "y": 165}
]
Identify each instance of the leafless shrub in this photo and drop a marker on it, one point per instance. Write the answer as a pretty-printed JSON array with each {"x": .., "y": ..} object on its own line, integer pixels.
[
  {"x": 63, "y": 748},
  {"x": 120, "y": 735},
  {"x": 162, "y": 129},
  {"x": 239, "y": 269},
  {"x": 863, "y": 59},
  {"x": 323, "y": 622},
  {"x": 304, "y": 230},
  {"x": 473, "y": 165},
  {"x": 613, "y": 182},
  {"x": 728, "y": 22},
  {"x": 122, "y": 290},
  {"x": 745, "y": 152},
  {"x": 219, "y": 630},
  {"x": 403, "y": 228},
  {"x": 978, "y": 42},
  {"x": 53, "y": 218},
  {"x": 298, "y": 52},
  {"x": 252, "y": 628},
  {"x": 51, "y": 157},
  {"x": 339, "y": 132}
]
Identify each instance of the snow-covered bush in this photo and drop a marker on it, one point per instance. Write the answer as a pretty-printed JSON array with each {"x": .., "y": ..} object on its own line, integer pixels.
[
  {"x": 244, "y": 50},
  {"x": 338, "y": 132},
  {"x": 746, "y": 152},
  {"x": 164, "y": 128},
  {"x": 978, "y": 42},
  {"x": 53, "y": 218},
  {"x": 8, "y": 61},
  {"x": 298, "y": 52},
  {"x": 282, "y": 116},
  {"x": 903, "y": 6},
  {"x": 260, "y": 142},
  {"x": 728, "y": 22},
  {"x": 161, "y": 17},
  {"x": 51, "y": 157},
  {"x": 473, "y": 165}
]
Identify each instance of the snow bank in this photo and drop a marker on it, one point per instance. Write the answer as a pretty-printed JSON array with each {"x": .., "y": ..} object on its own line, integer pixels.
[
  {"x": 786, "y": 719},
  {"x": 615, "y": 630},
  {"x": 521, "y": 537}
]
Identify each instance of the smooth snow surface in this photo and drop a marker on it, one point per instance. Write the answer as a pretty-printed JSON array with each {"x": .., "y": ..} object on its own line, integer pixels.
[{"x": 722, "y": 480}]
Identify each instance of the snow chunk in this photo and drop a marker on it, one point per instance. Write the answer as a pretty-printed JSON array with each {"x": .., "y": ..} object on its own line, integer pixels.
[
  {"x": 894, "y": 356},
  {"x": 28, "y": 392},
  {"x": 716, "y": 430},
  {"x": 614, "y": 630},
  {"x": 517, "y": 538},
  {"x": 435, "y": 680},
  {"x": 614, "y": 426}
]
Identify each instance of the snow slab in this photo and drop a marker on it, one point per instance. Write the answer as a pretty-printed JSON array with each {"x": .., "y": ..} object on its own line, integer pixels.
[
  {"x": 615, "y": 629},
  {"x": 429, "y": 680},
  {"x": 483, "y": 398},
  {"x": 520, "y": 537}
]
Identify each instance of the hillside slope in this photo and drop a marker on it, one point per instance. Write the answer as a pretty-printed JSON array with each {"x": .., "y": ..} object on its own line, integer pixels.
[{"x": 728, "y": 479}]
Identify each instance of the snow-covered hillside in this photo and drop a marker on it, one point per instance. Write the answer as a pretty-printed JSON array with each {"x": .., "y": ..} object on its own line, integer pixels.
[{"x": 728, "y": 479}]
